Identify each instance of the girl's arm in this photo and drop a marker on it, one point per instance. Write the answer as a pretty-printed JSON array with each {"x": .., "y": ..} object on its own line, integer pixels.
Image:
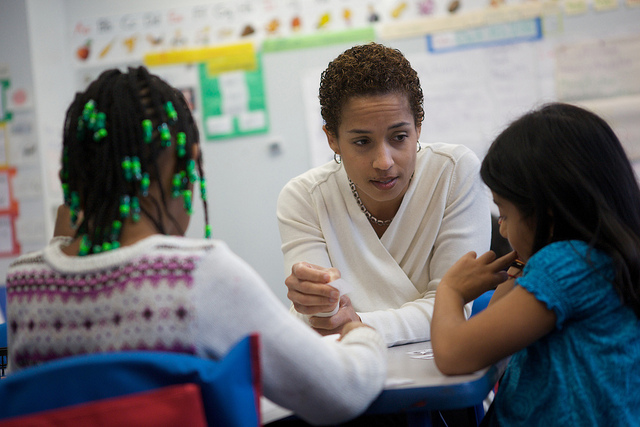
[
  {"x": 509, "y": 324},
  {"x": 505, "y": 287}
]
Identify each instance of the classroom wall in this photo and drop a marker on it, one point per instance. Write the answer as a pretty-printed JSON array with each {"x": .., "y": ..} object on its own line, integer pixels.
[{"x": 471, "y": 91}]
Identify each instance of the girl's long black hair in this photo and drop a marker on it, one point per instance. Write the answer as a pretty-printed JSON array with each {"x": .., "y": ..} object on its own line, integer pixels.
[{"x": 565, "y": 167}]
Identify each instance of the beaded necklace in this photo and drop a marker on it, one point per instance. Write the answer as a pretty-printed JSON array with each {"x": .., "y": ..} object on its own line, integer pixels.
[{"x": 364, "y": 209}]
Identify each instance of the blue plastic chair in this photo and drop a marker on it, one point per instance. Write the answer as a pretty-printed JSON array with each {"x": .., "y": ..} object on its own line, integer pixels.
[
  {"x": 3, "y": 348},
  {"x": 480, "y": 304},
  {"x": 230, "y": 387}
]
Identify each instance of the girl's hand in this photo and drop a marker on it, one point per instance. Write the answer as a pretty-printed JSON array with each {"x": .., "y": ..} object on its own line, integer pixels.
[{"x": 470, "y": 277}]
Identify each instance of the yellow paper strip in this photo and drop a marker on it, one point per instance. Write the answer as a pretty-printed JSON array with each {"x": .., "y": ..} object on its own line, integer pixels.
[
  {"x": 601, "y": 5},
  {"x": 575, "y": 7},
  {"x": 241, "y": 56}
]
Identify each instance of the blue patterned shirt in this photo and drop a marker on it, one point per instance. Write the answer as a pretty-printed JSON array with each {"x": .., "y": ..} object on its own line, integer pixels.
[{"x": 585, "y": 371}]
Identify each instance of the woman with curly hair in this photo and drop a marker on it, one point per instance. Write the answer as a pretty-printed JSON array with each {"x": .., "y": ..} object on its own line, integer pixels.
[{"x": 389, "y": 216}]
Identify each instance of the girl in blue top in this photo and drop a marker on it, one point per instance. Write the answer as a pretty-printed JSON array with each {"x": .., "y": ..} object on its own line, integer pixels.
[{"x": 570, "y": 207}]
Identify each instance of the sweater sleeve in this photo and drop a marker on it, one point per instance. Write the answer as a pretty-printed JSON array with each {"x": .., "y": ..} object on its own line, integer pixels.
[
  {"x": 322, "y": 381},
  {"x": 300, "y": 231}
]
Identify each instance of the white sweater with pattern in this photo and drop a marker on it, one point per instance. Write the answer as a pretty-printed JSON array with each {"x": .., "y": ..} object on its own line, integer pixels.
[{"x": 185, "y": 295}]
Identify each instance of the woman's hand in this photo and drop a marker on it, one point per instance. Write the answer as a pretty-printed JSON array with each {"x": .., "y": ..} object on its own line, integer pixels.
[
  {"x": 470, "y": 277},
  {"x": 334, "y": 324},
  {"x": 308, "y": 288}
]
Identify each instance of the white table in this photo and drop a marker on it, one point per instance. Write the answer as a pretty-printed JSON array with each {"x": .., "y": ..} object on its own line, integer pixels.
[{"x": 415, "y": 386}]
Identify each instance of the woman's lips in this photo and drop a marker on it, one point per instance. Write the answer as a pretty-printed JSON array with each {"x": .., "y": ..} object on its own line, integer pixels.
[{"x": 385, "y": 184}]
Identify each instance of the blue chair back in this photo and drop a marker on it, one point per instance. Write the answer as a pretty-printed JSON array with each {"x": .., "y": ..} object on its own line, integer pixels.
[
  {"x": 481, "y": 303},
  {"x": 3, "y": 348},
  {"x": 230, "y": 387}
]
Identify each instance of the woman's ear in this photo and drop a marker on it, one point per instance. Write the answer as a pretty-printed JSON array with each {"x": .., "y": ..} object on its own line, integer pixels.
[{"x": 332, "y": 139}]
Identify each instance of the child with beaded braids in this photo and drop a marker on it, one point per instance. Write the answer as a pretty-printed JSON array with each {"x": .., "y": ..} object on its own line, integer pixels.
[
  {"x": 109, "y": 164},
  {"x": 126, "y": 278}
]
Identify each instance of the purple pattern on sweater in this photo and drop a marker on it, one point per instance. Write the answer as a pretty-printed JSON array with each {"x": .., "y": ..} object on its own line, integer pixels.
[{"x": 141, "y": 305}]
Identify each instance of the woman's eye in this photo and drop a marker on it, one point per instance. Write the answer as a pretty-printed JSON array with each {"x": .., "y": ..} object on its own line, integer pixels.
[
  {"x": 360, "y": 142},
  {"x": 401, "y": 137}
]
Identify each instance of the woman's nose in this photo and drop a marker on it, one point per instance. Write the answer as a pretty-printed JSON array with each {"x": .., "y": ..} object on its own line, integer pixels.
[{"x": 383, "y": 159}]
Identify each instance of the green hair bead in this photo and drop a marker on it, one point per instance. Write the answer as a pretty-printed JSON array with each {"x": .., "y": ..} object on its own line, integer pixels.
[
  {"x": 191, "y": 170},
  {"x": 171, "y": 112},
  {"x": 125, "y": 207},
  {"x": 101, "y": 120},
  {"x": 93, "y": 121},
  {"x": 126, "y": 167},
  {"x": 88, "y": 109},
  {"x": 106, "y": 246},
  {"x": 207, "y": 231},
  {"x": 100, "y": 134},
  {"x": 145, "y": 182},
  {"x": 203, "y": 189},
  {"x": 65, "y": 194},
  {"x": 75, "y": 200},
  {"x": 85, "y": 246},
  {"x": 188, "y": 201},
  {"x": 147, "y": 130},
  {"x": 97, "y": 249},
  {"x": 165, "y": 135},
  {"x": 115, "y": 244},
  {"x": 181, "y": 142},
  {"x": 116, "y": 227},
  {"x": 177, "y": 185},
  {"x": 135, "y": 209},
  {"x": 136, "y": 168}
]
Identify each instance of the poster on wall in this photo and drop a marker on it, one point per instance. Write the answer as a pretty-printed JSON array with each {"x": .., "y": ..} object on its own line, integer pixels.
[
  {"x": 5, "y": 115},
  {"x": 9, "y": 246},
  {"x": 233, "y": 103}
]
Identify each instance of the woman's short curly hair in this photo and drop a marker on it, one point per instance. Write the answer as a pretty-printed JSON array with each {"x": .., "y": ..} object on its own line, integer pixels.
[{"x": 369, "y": 69}]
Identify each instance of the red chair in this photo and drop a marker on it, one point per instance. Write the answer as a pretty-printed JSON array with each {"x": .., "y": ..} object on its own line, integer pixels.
[
  {"x": 176, "y": 405},
  {"x": 230, "y": 387}
]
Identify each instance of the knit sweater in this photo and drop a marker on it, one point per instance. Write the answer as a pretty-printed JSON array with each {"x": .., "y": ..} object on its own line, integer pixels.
[
  {"x": 185, "y": 295},
  {"x": 443, "y": 215}
]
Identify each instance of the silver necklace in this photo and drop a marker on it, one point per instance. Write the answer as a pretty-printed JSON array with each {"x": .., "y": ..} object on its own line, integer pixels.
[{"x": 364, "y": 209}]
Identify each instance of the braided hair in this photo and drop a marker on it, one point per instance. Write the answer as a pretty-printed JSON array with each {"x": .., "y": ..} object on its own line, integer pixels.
[{"x": 114, "y": 133}]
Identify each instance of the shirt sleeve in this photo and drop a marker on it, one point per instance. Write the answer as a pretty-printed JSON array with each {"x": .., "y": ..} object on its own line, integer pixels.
[
  {"x": 300, "y": 231},
  {"x": 572, "y": 285},
  {"x": 320, "y": 380}
]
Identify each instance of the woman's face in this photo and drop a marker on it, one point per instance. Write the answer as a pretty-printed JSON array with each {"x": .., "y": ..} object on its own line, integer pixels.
[
  {"x": 377, "y": 140},
  {"x": 517, "y": 229}
]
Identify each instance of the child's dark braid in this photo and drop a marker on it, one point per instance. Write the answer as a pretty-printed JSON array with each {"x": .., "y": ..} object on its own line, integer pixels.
[{"x": 113, "y": 136}]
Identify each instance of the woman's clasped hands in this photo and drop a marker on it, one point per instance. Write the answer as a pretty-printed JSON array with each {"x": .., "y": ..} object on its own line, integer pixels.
[{"x": 310, "y": 292}]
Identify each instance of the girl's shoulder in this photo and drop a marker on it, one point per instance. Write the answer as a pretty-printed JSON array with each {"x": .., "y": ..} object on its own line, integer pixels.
[
  {"x": 570, "y": 251},
  {"x": 569, "y": 258}
]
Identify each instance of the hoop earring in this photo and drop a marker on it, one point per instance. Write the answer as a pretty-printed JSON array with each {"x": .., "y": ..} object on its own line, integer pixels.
[
  {"x": 337, "y": 158},
  {"x": 419, "y": 146}
]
